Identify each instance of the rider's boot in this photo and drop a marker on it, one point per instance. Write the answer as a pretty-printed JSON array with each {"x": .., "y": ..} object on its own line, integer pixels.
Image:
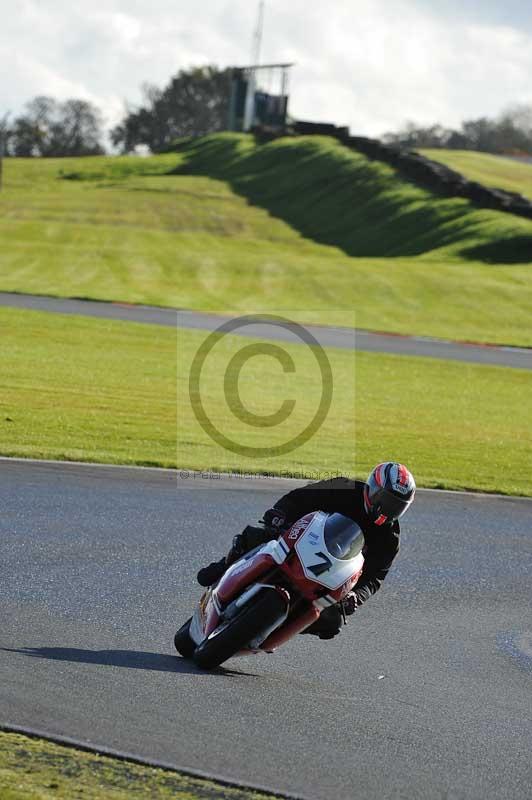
[
  {"x": 212, "y": 573},
  {"x": 328, "y": 625},
  {"x": 250, "y": 537}
]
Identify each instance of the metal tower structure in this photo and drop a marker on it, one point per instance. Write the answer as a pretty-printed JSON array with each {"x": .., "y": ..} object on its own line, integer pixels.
[
  {"x": 259, "y": 92},
  {"x": 249, "y": 107}
]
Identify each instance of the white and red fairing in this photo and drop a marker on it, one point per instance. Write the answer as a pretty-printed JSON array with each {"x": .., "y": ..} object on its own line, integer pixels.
[{"x": 318, "y": 578}]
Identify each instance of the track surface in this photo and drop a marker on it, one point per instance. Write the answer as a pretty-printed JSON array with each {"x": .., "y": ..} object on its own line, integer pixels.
[
  {"x": 426, "y": 693},
  {"x": 326, "y": 336}
]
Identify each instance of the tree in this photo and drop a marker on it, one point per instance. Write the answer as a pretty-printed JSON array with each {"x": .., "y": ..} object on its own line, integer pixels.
[
  {"x": 29, "y": 130},
  {"x": 510, "y": 131},
  {"x": 479, "y": 134},
  {"x": 194, "y": 103},
  {"x": 76, "y": 130},
  {"x": 49, "y": 128},
  {"x": 514, "y": 129},
  {"x": 521, "y": 117},
  {"x": 413, "y": 137}
]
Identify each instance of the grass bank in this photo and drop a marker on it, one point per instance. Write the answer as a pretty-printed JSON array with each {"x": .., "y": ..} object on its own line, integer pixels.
[
  {"x": 337, "y": 196},
  {"x": 495, "y": 171},
  {"x": 267, "y": 229},
  {"x": 102, "y": 391},
  {"x": 40, "y": 770}
]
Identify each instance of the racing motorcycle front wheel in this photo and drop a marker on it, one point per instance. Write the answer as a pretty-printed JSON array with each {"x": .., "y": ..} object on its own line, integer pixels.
[
  {"x": 183, "y": 643},
  {"x": 258, "y": 615}
]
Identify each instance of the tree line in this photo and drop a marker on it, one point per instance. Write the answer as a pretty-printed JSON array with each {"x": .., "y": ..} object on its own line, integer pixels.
[
  {"x": 195, "y": 102},
  {"x": 510, "y": 132},
  {"x": 49, "y": 128}
]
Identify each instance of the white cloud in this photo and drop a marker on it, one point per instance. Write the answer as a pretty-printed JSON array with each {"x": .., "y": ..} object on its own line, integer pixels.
[{"x": 371, "y": 64}]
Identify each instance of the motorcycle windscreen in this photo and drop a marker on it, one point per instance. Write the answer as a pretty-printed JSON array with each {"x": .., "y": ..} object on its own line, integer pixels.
[
  {"x": 329, "y": 550},
  {"x": 343, "y": 538}
]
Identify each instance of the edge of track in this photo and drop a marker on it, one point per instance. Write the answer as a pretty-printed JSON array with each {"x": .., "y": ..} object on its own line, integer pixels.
[
  {"x": 88, "y": 747},
  {"x": 242, "y": 477}
]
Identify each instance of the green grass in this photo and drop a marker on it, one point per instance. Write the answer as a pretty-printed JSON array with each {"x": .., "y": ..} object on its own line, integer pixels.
[
  {"x": 495, "y": 171},
  {"x": 89, "y": 390},
  {"x": 336, "y": 196},
  {"x": 35, "y": 769},
  {"x": 85, "y": 389},
  {"x": 247, "y": 228}
]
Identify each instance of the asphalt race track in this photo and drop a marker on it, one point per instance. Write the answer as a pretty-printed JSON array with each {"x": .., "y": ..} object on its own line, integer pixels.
[
  {"x": 368, "y": 341},
  {"x": 426, "y": 693}
]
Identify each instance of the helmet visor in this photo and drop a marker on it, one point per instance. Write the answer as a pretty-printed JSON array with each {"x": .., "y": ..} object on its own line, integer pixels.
[{"x": 384, "y": 502}]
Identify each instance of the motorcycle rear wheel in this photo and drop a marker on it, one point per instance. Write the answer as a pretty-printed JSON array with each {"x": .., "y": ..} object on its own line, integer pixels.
[
  {"x": 261, "y": 612},
  {"x": 184, "y": 645}
]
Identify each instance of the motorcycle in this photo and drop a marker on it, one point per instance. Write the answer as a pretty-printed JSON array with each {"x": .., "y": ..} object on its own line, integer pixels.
[{"x": 275, "y": 591}]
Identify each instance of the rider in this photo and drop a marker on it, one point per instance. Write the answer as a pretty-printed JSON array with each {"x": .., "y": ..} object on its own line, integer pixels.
[{"x": 375, "y": 506}]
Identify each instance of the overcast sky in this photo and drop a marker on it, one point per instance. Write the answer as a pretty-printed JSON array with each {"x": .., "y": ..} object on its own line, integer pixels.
[{"x": 371, "y": 64}]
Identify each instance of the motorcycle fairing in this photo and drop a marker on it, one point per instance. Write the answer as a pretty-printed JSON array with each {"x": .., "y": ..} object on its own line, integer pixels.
[
  {"x": 250, "y": 567},
  {"x": 318, "y": 563},
  {"x": 239, "y": 575}
]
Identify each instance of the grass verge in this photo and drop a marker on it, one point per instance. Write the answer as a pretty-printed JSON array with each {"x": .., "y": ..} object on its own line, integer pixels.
[
  {"x": 229, "y": 231},
  {"x": 36, "y": 769},
  {"x": 113, "y": 392},
  {"x": 495, "y": 171}
]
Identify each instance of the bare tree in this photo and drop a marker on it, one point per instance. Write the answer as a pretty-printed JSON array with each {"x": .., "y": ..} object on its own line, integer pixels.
[
  {"x": 510, "y": 131},
  {"x": 520, "y": 116},
  {"x": 76, "y": 130},
  {"x": 413, "y": 136},
  {"x": 49, "y": 128}
]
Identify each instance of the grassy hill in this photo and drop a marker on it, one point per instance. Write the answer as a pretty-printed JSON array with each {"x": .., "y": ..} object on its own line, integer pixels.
[
  {"x": 300, "y": 226},
  {"x": 336, "y": 196},
  {"x": 494, "y": 171}
]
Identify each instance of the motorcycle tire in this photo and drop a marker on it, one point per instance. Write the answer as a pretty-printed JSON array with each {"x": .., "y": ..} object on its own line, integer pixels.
[
  {"x": 184, "y": 645},
  {"x": 236, "y": 633}
]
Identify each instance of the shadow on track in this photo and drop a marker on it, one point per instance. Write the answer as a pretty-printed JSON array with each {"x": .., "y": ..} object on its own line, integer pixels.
[{"x": 131, "y": 659}]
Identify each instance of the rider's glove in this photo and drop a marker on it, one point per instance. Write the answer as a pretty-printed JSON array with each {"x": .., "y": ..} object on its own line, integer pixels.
[
  {"x": 350, "y": 603},
  {"x": 275, "y": 518}
]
